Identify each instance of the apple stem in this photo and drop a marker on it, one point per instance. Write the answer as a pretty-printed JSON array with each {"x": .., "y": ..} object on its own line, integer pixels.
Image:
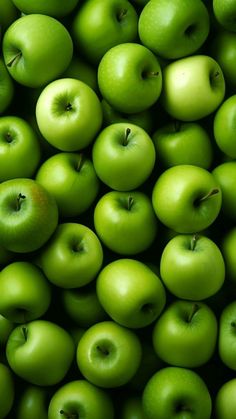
[
  {"x": 193, "y": 241},
  {"x": 195, "y": 308},
  {"x": 130, "y": 202},
  {"x": 69, "y": 415},
  {"x": 148, "y": 74},
  {"x": 19, "y": 200},
  {"x": 80, "y": 162},
  {"x": 127, "y": 133},
  {"x": 24, "y": 330},
  {"x": 15, "y": 59},
  {"x": 211, "y": 193},
  {"x": 103, "y": 350},
  {"x": 121, "y": 14}
]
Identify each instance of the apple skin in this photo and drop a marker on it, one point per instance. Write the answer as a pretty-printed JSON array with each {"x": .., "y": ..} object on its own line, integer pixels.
[
  {"x": 78, "y": 118},
  {"x": 225, "y": 175},
  {"x": 6, "y": 326},
  {"x": 225, "y": 13},
  {"x": 225, "y": 403},
  {"x": 72, "y": 180},
  {"x": 223, "y": 50},
  {"x": 26, "y": 292},
  {"x": 80, "y": 69},
  {"x": 20, "y": 151},
  {"x": 186, "y": 261},
  {"x": 175, "y": 392},
  {"x": 125, "y": 221},
  {"x": 130, "y": 77},
  {"x": 123, "y": 156},
  {"x": 33, "y": 210},
  {"x": 193, "y": 87},
  {"x": 183, "y": 143},
  {"x": 224, "y": 126},
  {"x": 7, "y": 88},
  {"x": 51, "y": 349},
  {"x": 183, "y": 27},
  {"x": 8, "y": 13},
  {"x": 25, "y": 40},
  {"x": 108, "y": 354},
  {"x": 130, "y": 292},
  {"x": 99, "y": 26},
  {"x": 226, "y": 340},
  {"x": 7, "y": 390},
  {"x": 80, "y": 398},
  {"x": 228, "y": 244},
  {"x": 185, "y": 334},
  {"x": 193, "y": 192},
  {"x": 73, "y": 256},
  {"x": 33, "y": 403},
  {"x": 50, "y": 8}
]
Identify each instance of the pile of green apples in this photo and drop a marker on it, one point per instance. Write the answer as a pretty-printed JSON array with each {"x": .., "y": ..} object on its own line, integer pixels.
[{"x": 118, "y": 209}]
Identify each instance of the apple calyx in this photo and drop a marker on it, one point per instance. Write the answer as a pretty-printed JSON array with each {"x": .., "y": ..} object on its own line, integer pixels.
[
  {"x": 69, "y": 415},
  {"x": 193, "y": 241},
  {"x": 126, "y": 137},
  {"x": 121, "y": 14},
  {"x": 68, "y": 107},
  {"x": 182, "y": 408},
  {"x": 15, "y": 59},
  {"x": 8, "y": 137},
  {"x": 195, "y": 308},
  {"x": 211, "y": 193},
  {"x": 19, "y": 201}
]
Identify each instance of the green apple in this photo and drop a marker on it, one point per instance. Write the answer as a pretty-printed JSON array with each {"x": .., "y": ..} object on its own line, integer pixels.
[
  {"x": 51, "y": 350},
  {"x": 99, "y": 25},
  {"x": 186, "y": 198},
  {"x": 228, "y": 246},
  {"x": 28, "y": 215},
  {"x": 82, "y": 305},
  {"x": 80, "y": 69},
  {"x": 132, "y": 408},
  {"x": 20, "y": 151},
  {"x": 185, "y": 334},
  {"x": 183, "y": 143},
  {"x": 25, "y": 291},
  {"x": 225, "y": 13},
  {"x": 225, "y": 175},
  {"x": 185, "y": 263},
  {"x": 6, "y": 326},
  {"x": 8, "y": 13},
  {"x": 183, "y": 26},
  {"x": 29, "y": 60},
  {"x": 225, "y": 402},
  {"x": 123, "y": 156},
  {"x": 175, "y": 392},
  {"x": 71, "y": 179},
  {"x": 69, "y": 114},
  {"x": 51, "y": 7},
  {"x": 125, "y": 222},
  {"x": 130, "y": 77},
  {"x": 7, "y": 88},
  {"x": 193, "y": 87},
  {"x": 7, "y": 390},
  {"x": 226, "y": 340},
  {"x": 72, "y": 257},
  {"x": 108, "y": 354},
  {"x": 223, "y": 50},
  {"x": 224, "y": 126},
  {"x": 130, "y": 292},
  {"x": 32, "y": 403},
  {"x": 79, "y": 398}
]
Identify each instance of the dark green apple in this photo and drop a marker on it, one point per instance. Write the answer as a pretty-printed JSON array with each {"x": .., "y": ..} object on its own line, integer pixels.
[
  {"x": 223, "y": 50},
  {"x": 226, "y": 340},
  {"x": 51, "y": 7},
  {"x": 7, "y": 88},
  {"x": 33, "y": 403},
  {"x": 7, "y": 390},
  {"x": 228, "y": 246},
  {"x": 80, "y": 69},
  {"x": 6, "y": 326},
  {"x": 132, "y": 408},
  {"x": 225, "y": 13}
]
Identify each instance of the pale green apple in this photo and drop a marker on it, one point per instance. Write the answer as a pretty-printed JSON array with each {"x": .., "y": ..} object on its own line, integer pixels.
[{"x": 225, "y": 401}]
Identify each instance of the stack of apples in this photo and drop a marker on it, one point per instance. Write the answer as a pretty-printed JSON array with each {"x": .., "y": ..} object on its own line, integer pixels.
[{"x": 118, "y": 209}]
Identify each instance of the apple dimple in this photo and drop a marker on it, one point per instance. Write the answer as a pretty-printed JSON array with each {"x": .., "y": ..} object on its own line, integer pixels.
[
  {"x": 190, "y": 30},
  {"x": 16, "y": 58},
  {"x": 121, "y": 14},
  {"x": 69, "y": 415}
]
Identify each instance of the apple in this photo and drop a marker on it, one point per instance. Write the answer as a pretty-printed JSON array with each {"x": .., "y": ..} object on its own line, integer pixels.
[
  {"x": 132, "y": 408},
  {"x": 225, "y": 402},
  {"x": 186, "y": 261},
  {"x": 130, "y": 77},
  {"x": 33, "y": 403},
  {"x": 223, "y": 50},
  {"x": 73, "y": 256},
  {"x": 179, "y": 142},
  {"x": 224, "y": 126},
  {"x": 8, "y": 13},
  {"x": 6, "y": 326},
  {"x": 20, "y": 151},
  {"x": 228, "y": 244},
  {"x": 82, "y": 305},
  {"x": 7, "y": 390},
  {"x": 82, "y": 70},
  {"x": 183, "y": 27},
  {"x": 225, "y": 13},
  {"x": 68, "y": 114},
  {"x": 175, "y": 392},
  {"x": 123, "y": 156},
  {"x": 130, "y": 292},
  {"x": 40, "y": 352},
  {"x": 225, "y": 175},
  {"x": 193, "y": 87},
  {"x": 71, "y": 179},
  {"x": 226, "y": 340},
  {"x": 79, "y": 398},
  {"x": 185, "y": 334},
  {"x": 186, "y": 198},
  {"x": 51, "y": 7},
  {"x": 125, "y": 222},
  {"x": 26, "y": 292},
  {"x": 28, "y": 215},
  {"x": 24, "y": 42},
  {"x": 108, "y": 354},
  {"x": 7, "y": 88},
  {"x": 100, "y": 25}
]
